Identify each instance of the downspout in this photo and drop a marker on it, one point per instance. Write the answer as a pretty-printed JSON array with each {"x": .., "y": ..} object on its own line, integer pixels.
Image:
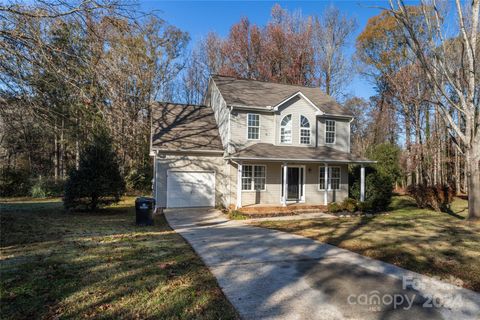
[
  {"x": 238, "y": 182},
  {"x": 350, "y": 134},
  {"x": 229, "y": 126}
]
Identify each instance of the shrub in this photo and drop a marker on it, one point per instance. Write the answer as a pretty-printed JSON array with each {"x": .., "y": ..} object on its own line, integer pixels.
[
  {"x": 387, "y": 156},
  {"x": 139, "y": 179},
  {"x": 236, "y": 215},
  {"x": 42, "y": 188},
  {"x": 97, "y": 181},
  {"x": 14, "y": 182},
  {"x": 350, "y": 205},
  {"x": 365, "y": 206},
  {"x": 437, "y": 197},
  {"x": 378, "y": 190},
  {"x": 334, "y": 207},
  {"x": 55, "y": 188},
  {"x": 38, "y": 189}
]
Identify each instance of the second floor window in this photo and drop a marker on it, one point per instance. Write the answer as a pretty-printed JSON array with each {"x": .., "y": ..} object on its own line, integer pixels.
[
  {"x": 253, "y": 126},
  {"x": 286, "y": 129},
  {"x": 304, "y": 130},
  {"x": 330, "y": 131}
]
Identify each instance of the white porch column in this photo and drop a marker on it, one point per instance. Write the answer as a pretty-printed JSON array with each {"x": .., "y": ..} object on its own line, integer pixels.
[
  {"x": 325, "y": 196},
  {"x": 239, "y": 185},
  {"x": 285, "y": 184},
  {"x": 362, "y": 183}
]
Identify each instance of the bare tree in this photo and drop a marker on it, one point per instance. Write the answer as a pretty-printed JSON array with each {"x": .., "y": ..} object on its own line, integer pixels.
[
  {"x": 78, "y": 67},
  {"x": 332, "y": 31},
  {"x": 454, "y": 82}
]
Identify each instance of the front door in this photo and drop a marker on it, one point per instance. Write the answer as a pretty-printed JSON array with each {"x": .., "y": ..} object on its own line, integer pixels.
[
  {"x": 293, "y": 188},
  {"x": 294, "y": 183}
]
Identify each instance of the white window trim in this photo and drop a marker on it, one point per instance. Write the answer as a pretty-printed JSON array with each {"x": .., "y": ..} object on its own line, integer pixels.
[
  {"x": 329, "y": 179},
  {"x": 291, "y": 129},
  {"x": 259, "y": 125},
  {"x": 253, "y": 177},
  {"x": 300, "y": 131},
  {"x": 334, "y": 133}
]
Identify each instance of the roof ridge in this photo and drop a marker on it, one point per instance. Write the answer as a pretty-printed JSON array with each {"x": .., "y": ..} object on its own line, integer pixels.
[
  {"x": 265, "y": 81},
  {"x": 181, "y": 104}
]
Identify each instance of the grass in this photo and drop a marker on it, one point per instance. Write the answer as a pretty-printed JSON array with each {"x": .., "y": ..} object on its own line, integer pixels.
[
  {"x": 444, "y": 245},
  {"x": 99, "y": 265},
  {"x": 236, "y": 215}
]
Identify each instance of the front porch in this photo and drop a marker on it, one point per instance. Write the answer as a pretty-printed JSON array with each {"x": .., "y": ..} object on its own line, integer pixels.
[{"x": 280, "y": 188}]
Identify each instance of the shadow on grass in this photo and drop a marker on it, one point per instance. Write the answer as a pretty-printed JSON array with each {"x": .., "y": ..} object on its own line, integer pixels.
[
  {"x": 90, "y": 265},
  {"x": 423, "y": 241},
  {"x": 451, "y": 213}
]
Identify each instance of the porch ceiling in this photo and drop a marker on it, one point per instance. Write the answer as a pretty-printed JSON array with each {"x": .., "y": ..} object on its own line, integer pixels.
[{"x": 270, "y": 152}]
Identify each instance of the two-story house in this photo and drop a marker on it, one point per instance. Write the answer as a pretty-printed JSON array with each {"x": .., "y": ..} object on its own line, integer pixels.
[{"x": 252, "y": 142}]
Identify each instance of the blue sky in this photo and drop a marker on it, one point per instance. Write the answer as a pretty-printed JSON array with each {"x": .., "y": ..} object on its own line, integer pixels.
[{"x": 200, "y": 17}]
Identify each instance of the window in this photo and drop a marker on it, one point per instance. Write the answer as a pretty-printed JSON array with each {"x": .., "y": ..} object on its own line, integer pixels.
[
  {"x": 304, "y": 130},
  {"x": 286, "y": 129},
  {"x": 333, "y": 179},
  {"x": 253, "y": 177},
  {"x": 253, "y": 126},
  {"x": 330, "y": 131}
]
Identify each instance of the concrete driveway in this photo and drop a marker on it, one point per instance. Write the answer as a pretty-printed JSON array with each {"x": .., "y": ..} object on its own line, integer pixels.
[{"x": 268, "y": 274}]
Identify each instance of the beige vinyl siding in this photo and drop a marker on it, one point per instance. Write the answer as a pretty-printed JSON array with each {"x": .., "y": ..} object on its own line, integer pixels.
[
  {"x": 342, "y": 134},
  {"x": 191, "y": 163},
  {"x": 238, "y": 127},
  {"x": 272, "y": 194},
  {"x": 221, "y": 112},
  {"x": 314, "y": 195},
  {"x": 297, "y": 107}
]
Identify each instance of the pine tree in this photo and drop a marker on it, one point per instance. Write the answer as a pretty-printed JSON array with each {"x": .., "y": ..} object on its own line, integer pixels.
[{"x": 97, "y": 181}]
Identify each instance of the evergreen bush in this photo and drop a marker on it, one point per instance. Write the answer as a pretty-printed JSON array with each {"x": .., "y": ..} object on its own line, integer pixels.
[{"x": 98, "y": 181}]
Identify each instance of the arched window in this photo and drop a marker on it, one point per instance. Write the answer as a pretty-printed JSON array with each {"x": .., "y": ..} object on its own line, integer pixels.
[
  {"x": 286, "y": 129},
  {"x": 304, "y": 130}
]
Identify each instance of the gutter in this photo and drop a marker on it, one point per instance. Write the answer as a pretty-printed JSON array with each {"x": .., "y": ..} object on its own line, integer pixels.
[
  {"x": 299, "y": 160},
  {"x": 251, "y": 108},
  {"x": 188, "y": 151},
  {"x": 270, "y": 109},
  {"x": 339, "y": 116}
]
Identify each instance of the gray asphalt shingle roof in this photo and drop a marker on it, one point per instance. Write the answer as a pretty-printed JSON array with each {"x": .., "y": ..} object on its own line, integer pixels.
[
  {"x": 184, "y": 127},
  {"x": 279, "y": 153},
  {"x": 260, "y": 94}
]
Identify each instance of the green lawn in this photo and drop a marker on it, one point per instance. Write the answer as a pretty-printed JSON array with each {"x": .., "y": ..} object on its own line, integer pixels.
[
  {"x": 99, "y": 265},
  {"x": 432, "y": 243}
]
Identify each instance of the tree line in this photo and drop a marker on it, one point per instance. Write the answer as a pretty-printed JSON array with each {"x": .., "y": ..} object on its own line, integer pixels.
[{"x": 69, "y": 71}]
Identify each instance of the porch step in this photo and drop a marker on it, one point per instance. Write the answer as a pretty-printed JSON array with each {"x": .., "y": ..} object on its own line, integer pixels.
[{"x": 258, "y": 211}]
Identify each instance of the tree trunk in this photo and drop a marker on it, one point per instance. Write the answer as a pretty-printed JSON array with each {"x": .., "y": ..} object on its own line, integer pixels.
[
  {"x": 418, "y": 144},
  {"x": 457, "y": 171},
  {"x": 408, "y": 143},
  {"x": 55, "y": 156},
  {"x": 62, "y": 150},
  {"x": 473, "y": 175},
  {"x": 77, "y": 154}
]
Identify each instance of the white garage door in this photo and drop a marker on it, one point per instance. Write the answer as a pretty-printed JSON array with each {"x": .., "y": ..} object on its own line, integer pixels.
[{"x": 190, "y": 189}]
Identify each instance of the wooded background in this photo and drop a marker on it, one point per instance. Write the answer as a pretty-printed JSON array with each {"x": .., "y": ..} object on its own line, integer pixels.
[{"x": 69, "y": 70}]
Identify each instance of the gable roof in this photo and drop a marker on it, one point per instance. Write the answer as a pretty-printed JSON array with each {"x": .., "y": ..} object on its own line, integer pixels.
[
  {"x": 184, "y": 127},
  {"x": 260, "y": 94}
]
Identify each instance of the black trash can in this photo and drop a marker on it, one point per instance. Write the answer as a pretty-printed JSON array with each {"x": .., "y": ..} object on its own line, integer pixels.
[{"x": 144, "y": 207}]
